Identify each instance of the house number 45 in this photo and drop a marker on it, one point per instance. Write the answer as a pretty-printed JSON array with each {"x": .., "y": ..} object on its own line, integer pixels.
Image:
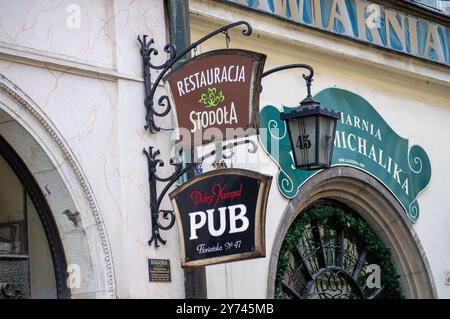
[{"x": 303, "y": 142}]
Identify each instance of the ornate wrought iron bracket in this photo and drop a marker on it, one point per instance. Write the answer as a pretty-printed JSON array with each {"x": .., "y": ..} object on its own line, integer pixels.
[
  {"x": 150, "y": 88},
  {"x": 308, "y": 78},
  {"x": 153, "y": 178},
  {"x": 147, "y": 51}
]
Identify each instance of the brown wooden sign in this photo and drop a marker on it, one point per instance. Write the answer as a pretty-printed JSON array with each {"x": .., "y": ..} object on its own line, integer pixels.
[
  {"x": 221, "y": 216},
  {"x": 218, "y": 89}
]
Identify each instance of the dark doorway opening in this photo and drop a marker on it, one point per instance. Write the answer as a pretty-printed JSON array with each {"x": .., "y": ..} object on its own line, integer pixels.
[{"x": 32, "y": 260}]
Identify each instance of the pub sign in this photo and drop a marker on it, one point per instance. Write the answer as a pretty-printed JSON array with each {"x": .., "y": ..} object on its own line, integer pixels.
[
  {"x": 216, "y": 90},
  {"x": 221, "y": 216}
]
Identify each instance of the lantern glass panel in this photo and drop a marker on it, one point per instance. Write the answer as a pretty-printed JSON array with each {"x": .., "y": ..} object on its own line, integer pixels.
[
  {"x": 303, "y": 135},
  {"x": 327, "y": 127}
]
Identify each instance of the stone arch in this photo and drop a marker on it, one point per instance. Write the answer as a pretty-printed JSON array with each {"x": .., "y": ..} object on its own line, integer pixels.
[
  {"x": 26, "y": 128},
  {"x": 373, "y": 202}
]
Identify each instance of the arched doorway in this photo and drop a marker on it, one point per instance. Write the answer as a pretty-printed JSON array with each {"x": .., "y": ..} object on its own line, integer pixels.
[
  {"x": 32, "y": 261},
  {"x": 378, "y": 208},
  {"x": 71, "y": 202}
]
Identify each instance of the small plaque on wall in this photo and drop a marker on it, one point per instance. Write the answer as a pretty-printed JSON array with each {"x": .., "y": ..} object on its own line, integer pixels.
[{"x": 159, "y": 270}]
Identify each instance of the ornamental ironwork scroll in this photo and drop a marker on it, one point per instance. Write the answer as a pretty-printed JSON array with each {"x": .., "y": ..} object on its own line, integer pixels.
[{"x": 221, "y": 216}]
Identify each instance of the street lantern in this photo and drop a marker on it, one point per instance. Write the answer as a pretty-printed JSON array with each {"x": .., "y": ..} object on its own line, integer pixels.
[{"x": 311, "y": 130}]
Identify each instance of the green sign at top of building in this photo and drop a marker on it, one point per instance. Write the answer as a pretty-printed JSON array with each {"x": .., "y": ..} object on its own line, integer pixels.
[
  {"x": 364, "y": 21},
  {"x": 363, "y": 141}
]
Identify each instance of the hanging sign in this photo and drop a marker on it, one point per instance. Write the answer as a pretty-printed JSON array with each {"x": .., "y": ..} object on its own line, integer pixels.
[
  {"x": 217, "y": 90},
  {"x": 221, "y": 216},
  {"x": 363, "y": 141}
]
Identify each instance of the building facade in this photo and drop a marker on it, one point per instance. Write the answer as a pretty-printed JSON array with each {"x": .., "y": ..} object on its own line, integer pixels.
[{"x": 75, "y": 219}]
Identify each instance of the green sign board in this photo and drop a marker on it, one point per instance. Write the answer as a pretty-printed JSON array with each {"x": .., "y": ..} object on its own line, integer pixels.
[{"x": 363, "y": 141}]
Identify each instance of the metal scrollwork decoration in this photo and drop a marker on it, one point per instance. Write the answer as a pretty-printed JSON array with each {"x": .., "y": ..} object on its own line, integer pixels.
[
  {"x": 221, "y": 151},
  {"x": 155, "y": 199},
  {"x": 147, "y": 51},
  {"x": 331, "y": 253},
  {"x": 326, "y": 264},
  {"x": 308, "y": 78}
]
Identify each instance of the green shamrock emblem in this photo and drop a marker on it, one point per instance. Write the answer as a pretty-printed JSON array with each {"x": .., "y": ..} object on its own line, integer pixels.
[{"x": 212, "y": 98}]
